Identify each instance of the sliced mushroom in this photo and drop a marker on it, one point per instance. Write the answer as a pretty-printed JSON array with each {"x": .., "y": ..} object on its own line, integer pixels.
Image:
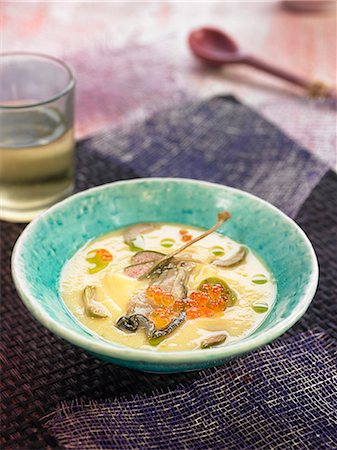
[
  {"x": 213, "y": 341},
  {"x": 135, "y": 230},
  {"x": 92, "y": 307},
  {"x": 233, "y": 260}
]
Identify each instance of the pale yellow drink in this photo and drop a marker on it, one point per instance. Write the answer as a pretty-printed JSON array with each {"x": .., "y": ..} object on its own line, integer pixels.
[{"x": 36, "y": 161}]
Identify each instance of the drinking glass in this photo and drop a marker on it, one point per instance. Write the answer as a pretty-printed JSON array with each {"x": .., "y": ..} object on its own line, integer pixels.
[{"x": 36, "y": 134}]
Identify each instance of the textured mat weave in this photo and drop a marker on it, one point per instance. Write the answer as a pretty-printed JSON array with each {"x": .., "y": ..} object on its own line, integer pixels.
[
  {"x": 253, "y": 402},
  {"x": 40, "y": 370},
  {"x": 220, "y": 141}
]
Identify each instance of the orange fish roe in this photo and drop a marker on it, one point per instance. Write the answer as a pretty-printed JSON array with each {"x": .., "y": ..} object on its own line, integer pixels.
[
  {"x": 103, "y": 254},
  {"x": 150, "y": 292},
  {"x": 178, "y": 306},
  {"x": 160, "y": 298},
  {"x": 186, "y": 238},
  {"x": 155, "y": 294},
  {"x": 207, "y": 302},
  {"x": 196, "y": 311},
  {"x": 218, "y": 305},
  {"x": 161, "y": 317},
  {"x": 168, "y": 300},
  {"x": 182, "y": 232},
  {"x": 193, "y": 313}
]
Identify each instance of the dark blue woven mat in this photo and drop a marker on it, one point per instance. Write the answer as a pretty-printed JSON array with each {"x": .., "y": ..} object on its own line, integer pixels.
[
  {"x": 281, "y": 396},
  {"x": 219, "y": 140},
  {"x": 222, "y": 141}
]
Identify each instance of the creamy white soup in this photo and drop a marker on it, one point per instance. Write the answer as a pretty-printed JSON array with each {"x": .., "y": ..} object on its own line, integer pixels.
[{"x": 140, "y": 288}]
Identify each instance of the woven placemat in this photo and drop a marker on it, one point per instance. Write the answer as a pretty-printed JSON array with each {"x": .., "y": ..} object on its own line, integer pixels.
[
  {"x": 40, "y": 370},
  {"x": 266, "y": 399}
]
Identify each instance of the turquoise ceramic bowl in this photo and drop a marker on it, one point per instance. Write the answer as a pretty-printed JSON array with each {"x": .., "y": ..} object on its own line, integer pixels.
[{"x": 50, "y": 240}]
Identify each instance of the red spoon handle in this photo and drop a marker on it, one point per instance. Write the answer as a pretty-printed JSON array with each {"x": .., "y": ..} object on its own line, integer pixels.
[
  {"x": 284, "y": 74},
  {"x": 314, "y": 88}
]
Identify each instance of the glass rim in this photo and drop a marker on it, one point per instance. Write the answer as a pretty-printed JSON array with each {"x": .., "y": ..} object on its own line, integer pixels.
[{"x": 69, "y": 86}]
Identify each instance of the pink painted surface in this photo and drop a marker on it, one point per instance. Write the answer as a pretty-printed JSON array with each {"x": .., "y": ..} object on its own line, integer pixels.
[{"x": 131, "y": 59}]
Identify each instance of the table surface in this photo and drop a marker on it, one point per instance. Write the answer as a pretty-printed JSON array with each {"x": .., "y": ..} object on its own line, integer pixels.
[{"x": 131, "y": 59}]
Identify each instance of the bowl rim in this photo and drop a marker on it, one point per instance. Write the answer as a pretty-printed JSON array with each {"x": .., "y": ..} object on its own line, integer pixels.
[{"x": 121, "y": 352}]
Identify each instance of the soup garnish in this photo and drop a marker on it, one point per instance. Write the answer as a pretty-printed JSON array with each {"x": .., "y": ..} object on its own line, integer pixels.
[
  {"x": 154, "y": 285},
  {"x": 259, "y": 279},
  {"x": 213, "y": 340},
  {"x": 232, "y": 260},
  {"x": 260, "y": 307},
  {"x": 222, "y": 217},
  {"x": 92, "y": 307},
  {"x": 99, "y": 259}
]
